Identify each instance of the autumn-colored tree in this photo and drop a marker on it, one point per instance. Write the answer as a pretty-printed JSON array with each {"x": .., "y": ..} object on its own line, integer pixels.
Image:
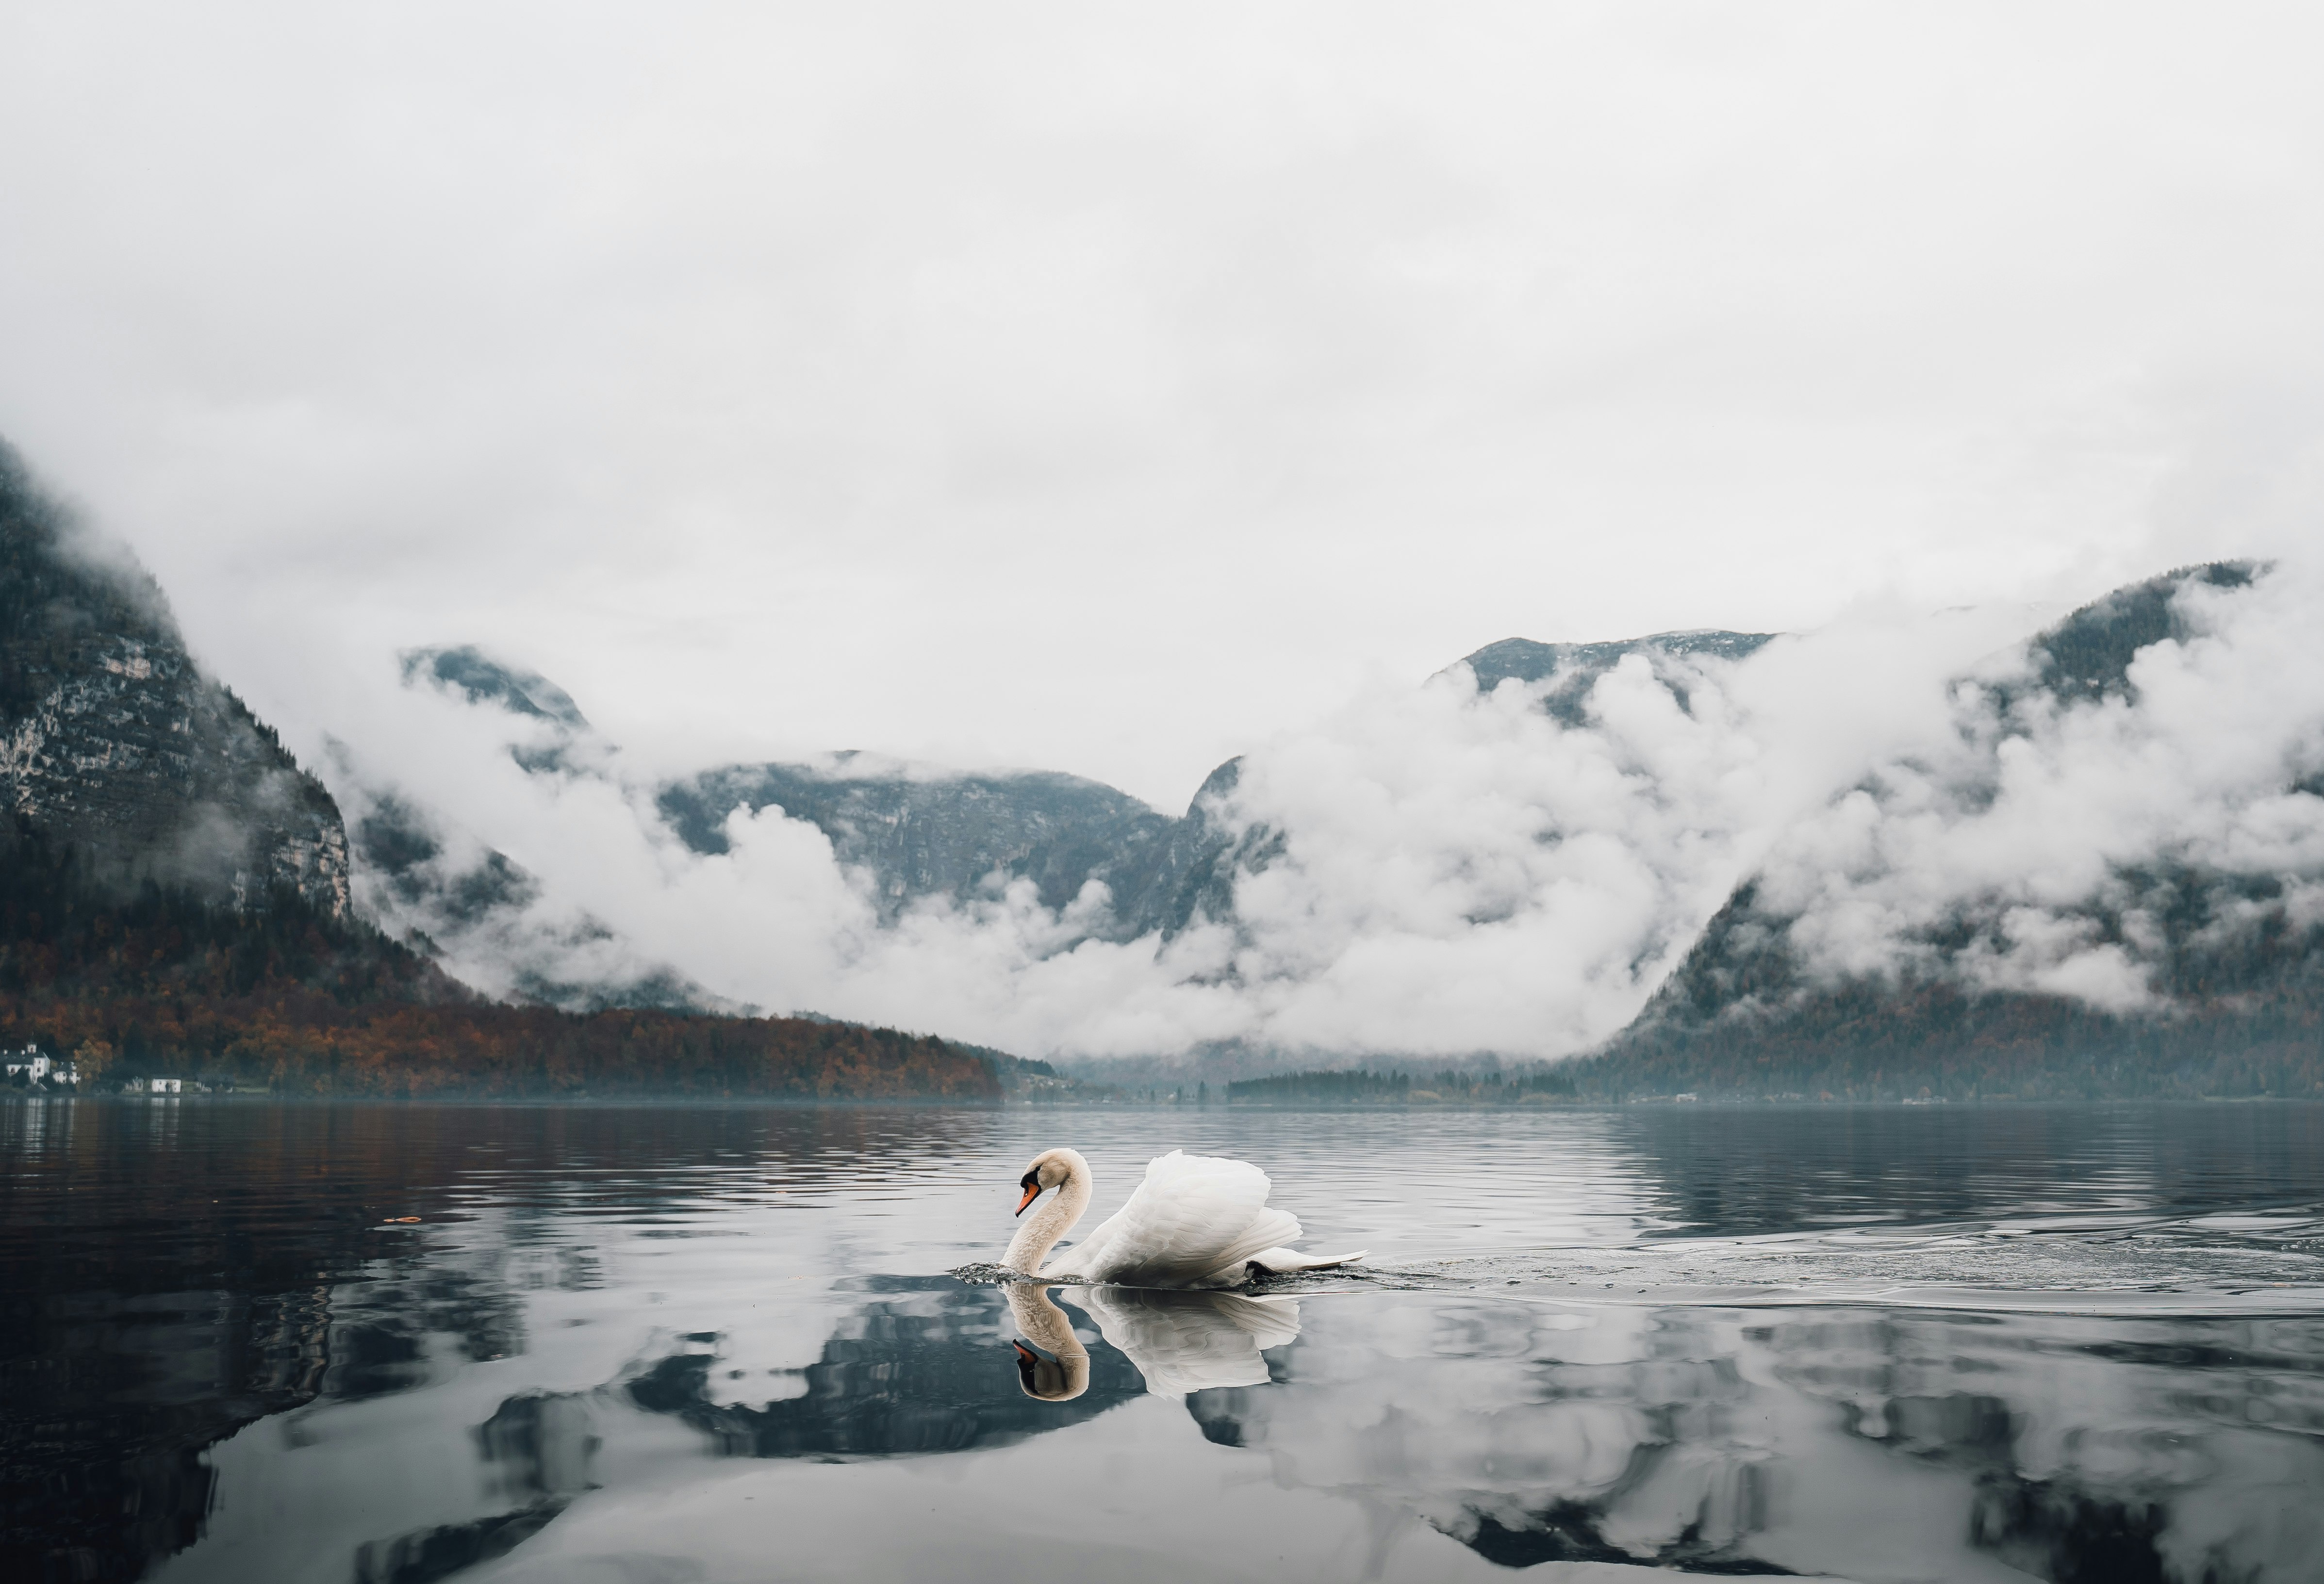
[{"x": 92, "y": 1060}]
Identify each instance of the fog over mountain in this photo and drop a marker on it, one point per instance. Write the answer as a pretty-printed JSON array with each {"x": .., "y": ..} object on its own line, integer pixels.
[
  {"x": 2178, "y": 724},
  {"x": 1508, "y": 864},
  {"x": 1918, "y": 834},
  {"x": 1106, "y": 392},
  {"x": 117, "y": 747},
  {"x": 570, "y": 437},
  {"x": 2111, "y": 861}
]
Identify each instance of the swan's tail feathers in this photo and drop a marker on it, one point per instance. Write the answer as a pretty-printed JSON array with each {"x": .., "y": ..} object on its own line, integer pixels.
[{"x": 1284, "y": 1262}]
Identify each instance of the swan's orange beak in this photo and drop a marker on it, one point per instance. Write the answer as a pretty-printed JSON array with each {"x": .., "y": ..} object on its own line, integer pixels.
[{"x": 1032, "y": 1192}]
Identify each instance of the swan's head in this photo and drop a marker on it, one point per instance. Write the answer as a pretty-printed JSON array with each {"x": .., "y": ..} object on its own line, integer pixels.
[{"x": 1050, "y": 1169}]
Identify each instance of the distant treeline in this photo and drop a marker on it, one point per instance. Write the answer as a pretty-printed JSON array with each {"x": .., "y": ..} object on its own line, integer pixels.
[
  {"x": 1360, "y": 1086},
  {"x": 287, "y": 998},
  {"x": 1340, "y": 1088},
  {"x": 1879, "y": 1040}
]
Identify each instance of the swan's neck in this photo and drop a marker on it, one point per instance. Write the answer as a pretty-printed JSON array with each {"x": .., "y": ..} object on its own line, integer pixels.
[{"x": 1051, "y": 1220}]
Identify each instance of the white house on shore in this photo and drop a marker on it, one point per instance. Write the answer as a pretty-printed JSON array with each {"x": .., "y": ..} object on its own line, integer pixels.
[{"x": 37, "y": 1067}]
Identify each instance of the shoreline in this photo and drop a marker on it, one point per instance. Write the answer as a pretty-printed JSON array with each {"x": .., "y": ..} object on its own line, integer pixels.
[{"x": 941, "y": 1102}]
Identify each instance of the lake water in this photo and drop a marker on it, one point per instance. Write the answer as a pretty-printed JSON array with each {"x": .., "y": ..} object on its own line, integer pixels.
[{"x": 392, "y": 1344}]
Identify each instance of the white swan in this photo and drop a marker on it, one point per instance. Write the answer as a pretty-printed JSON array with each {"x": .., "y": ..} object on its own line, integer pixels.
[{"x": 1197, "y": 1220}]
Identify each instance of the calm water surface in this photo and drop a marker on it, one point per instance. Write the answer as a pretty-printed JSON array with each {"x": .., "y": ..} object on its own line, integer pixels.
[{"x": 364, "y": 1344}]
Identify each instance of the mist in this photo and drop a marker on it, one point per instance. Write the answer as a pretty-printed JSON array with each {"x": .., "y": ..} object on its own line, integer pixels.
[
  {"x": 2034, "y": 813},
  {"x": 1117, "y": 394},
  {"x": 1444, "y": 871},
  {"x": 1104, "y": 392}
]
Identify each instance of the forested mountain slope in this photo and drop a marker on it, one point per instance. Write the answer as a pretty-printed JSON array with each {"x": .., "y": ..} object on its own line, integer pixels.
[
  {"x": 2108, "y": 883},
  {"x": 174, "y": 891}
]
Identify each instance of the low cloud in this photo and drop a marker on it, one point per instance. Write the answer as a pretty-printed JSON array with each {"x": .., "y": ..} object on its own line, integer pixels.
[
  {"x": 1439, "y": 871},
  {"x": 2059, "y": 830}
]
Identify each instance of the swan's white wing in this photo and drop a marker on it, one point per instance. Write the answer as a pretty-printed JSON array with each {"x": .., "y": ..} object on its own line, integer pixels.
[
  {"x": 1284, "y": 1262},
  {"x": 1268, "y": 1227},
  {"x": 1195, "y": 1220},
  {"x": 1192, "y": 1342}
]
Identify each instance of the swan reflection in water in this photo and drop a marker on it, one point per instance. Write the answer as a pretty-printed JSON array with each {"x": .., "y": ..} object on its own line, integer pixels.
[
  {"x": 1054, "y": 1367},
  {"x": 1180, "y": 1341}
]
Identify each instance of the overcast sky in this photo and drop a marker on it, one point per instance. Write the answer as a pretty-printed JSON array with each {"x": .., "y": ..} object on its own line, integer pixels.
[{"x": 1105, "y": 388}]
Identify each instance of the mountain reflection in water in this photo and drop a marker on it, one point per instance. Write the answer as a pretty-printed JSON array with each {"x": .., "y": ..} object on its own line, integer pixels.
[
  {"x": 658, "y": 1344},
  {"x": 915, "y": 1372},
  {"x": 1828, "y": 1441},
  {"x": 1718, "y": 1442},
  {"x": 925, "y": 1368}
]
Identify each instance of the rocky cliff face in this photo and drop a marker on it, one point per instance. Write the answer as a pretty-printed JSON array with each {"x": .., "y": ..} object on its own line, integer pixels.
[
  {"x": 921, "y": 832},
  {"x": 113, "y": 744}
]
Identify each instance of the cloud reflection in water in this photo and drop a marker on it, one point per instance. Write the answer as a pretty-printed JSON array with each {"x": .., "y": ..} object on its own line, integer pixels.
[
  {"x": 1847, "y": 1441},
  {"x": 649, "y": 1334},
  {"x": 1875, "y": 1444}
]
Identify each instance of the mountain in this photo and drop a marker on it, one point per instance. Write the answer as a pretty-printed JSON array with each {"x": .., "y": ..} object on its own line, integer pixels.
[
  {"x": 1933, "y": 933},
  {"x": 2089, "y": 861},
  {"x": 926, "y": 834},
  {"x": 482, "y": 679},
  {"x": 431, "y": 882},
  {"x": 466, "y": 670},
  {"x": 436, "y": 886},
  {"x": 120, "y": 749},
  {"x": 921, "y": 832},
  {"x": 913, "y": 831},
  {"x": 1572, "y": 670},
  {"x": 176, "y": 897},
  {"x": 1246, "y": 893}
]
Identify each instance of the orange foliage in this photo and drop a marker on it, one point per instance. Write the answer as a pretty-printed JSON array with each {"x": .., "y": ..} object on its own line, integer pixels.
[{"x": 302, "y": 1042}]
